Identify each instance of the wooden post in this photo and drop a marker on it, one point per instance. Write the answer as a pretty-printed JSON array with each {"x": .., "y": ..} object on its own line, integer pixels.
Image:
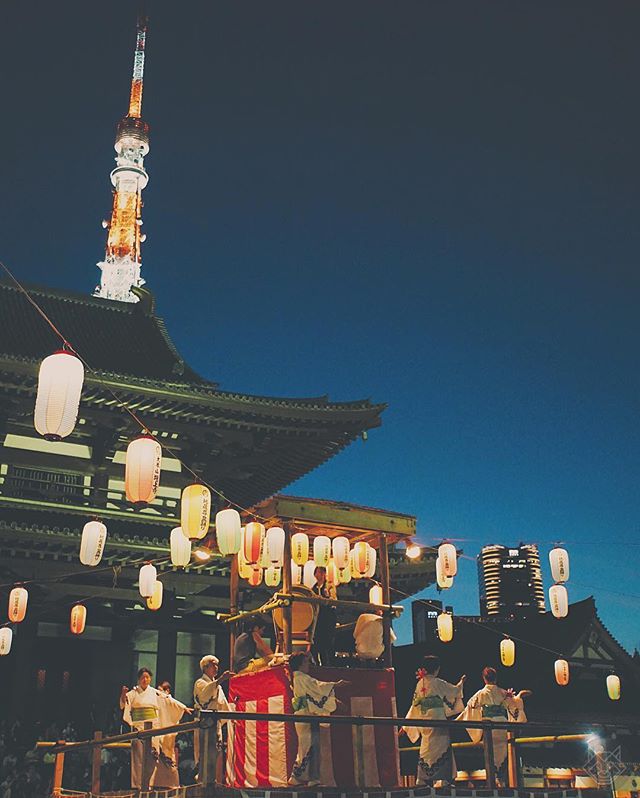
[
  {"x": 147, "y": 758},
  {"x": 96, "y": 762},
  {"x": 512, "y": 759},
  {"x": 383, "y": 557},
  {"x": 286, "y": 587},
  {"x": 58, "y": 771},
  {"x": 233, "y": 606},
  {"x": 208, "y": 753},
  {"x": 489, "y": 758}
]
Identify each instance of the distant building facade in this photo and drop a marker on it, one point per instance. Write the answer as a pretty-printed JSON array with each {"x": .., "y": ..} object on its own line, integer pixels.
[
  {"x": 510, "y": 582},
  {"x": 424, "y": 619}
]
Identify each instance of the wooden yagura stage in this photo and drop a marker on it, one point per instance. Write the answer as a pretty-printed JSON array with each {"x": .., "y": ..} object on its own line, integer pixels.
[{"x": 262, "y": 753}]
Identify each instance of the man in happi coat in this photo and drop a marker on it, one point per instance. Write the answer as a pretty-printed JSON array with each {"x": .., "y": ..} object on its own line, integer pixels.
[
  {"x": 310, "y": 697},
  {"x": 433, "y": 699},
  {"x": 146, "y": 703},
  {"x": 208, "y": 694},
  {"x": 495, "y": 704}
]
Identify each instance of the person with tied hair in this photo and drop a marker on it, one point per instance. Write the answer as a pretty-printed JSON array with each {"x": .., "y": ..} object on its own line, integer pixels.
[
  {"x": 495, "y": 704},
  {"x": 209, "y": 695},
  {"x": 433, "y": 699}
]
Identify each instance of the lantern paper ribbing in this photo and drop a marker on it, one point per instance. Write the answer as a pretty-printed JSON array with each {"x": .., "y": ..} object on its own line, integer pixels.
[
  {"x": 445, "y": 627},
  {"x": 147, "y": 580},
  {"x": 448, "y": 558},
  {"x": 142, "y": 470},
  {"x": 559, "y": 601},
  {"x": 77, "y": 619},
  {"x": 17, "y": 604},
  {"x": 561, "y": 671},
  {"x": 228, "y": 531},
  {"x": 195, "y": 511},
  {"x": 6, "y": 636},
  {"x": 308, "y": 577},
  {"x": 507, "y": 652},
  {"x": 94, "y": 536},
  {"x": 559, "y": 562},
  {"x": 360, "y": 559},
  {"x": 275, "y": 546},
  {"x": 154, "y": 602},
  {"x": 375, "y": 595},
  {"x": 613, "y": 686},
  {"x": 444, "y": 582},
  {"x": 253, "y": 541},
  {"x": 59, "y": 387},
  {"x": 300, "y": 548},
  {"x": 180, "y": 548},
  {"x": 340, "y": 549},
  {"x": 272, "y": 576},
  {"x": 321, "y": 551}
]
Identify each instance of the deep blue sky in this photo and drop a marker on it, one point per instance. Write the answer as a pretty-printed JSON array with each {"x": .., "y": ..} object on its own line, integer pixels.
[{"x": 431, "y": 204}]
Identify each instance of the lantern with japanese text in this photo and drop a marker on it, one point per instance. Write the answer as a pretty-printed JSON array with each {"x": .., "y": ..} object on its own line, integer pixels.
[
  {"x": 448, "y": 558},
  {"x": 559, "y": 562},
  {"x": 275, "y": 545},
  {"x": 296, "y": 573},
  {"x": 344, "y": 575},
  {"x": 228, "y": 531},
  {"x": 445, "y": 627},
  {"x": 253, "y": 542},
  {"x": 375, "y": 595},
  {"x": 272, "y": 576},
  {"x": 18, "y": 598},
  {"x": 94, "y": 536},
  {"x": 373, "y": 558},
  {"x": 6, "y": 636},
  {"x": 142, "y": 470},
  {"x": 559, "y": 601},
  {"x": 300, "y": 548},
  {"x": 561, "y": 670},
  {"x": 195, "y": 511},
  {"x": 308, "y": 575},
  {"x": 154, "y": 602},
  {"x": 613, "y": 686},
  {"x": 58, "y": 398},
  {"x": 180, "y": 548},
  {"x": 340, "y": 549},
  {"x": 507, "y": 652},
  {"x": 147, "y": 580},
  {"x": 444, "y": 582},
  {"x": 332, "y": 573},
  {"x": 321, "y": 550},
  {"x": 360, "y": 559},
  {"x": 77, "y": 619},
  {"x": 245, "y": 569}
]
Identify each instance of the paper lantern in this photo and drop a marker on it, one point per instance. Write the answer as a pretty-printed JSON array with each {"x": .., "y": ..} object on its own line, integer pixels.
[
  {"x": 195, "y": 511},
  {"x": 275, "y": 545},
  {"x": 308, "y": 577},
  {"x": 272, "y": 576},
  {"x": 561, "y": 670},
  {"x": 300, "y": 548},
  {"x": 559, "y": 601},
  {"x": 228, "y": 531},
  {"x": 147, "y": 580},
  {"x": 413, "y": 551},
  {"x": 142, "y": 469},
  {"x": 296, "y": 573},
  {"x": 332, "y": 573},
  {"x": 449, "y": 559},
  {"x": 154, "y": 602},
  {"x": 507, "y": 652},
  {"x": 255, "y": 577},
  {"x": 252, "y": 542},
  {"x": 17, "y": 604},
  {"x": 373, "y": 557},
  {"x": 444, "y": 582},
  {"x": 559, "y": 562},
  {"x": 613, "y": 686},
  {"x": 344, "y": 575},
  {"x": 6, "y": 636},
  {"x": 375, "y": 595},
  {"x": 445, "y": 627},
  {"x": 94, "y": 536},
  {"x": 321, "y": 551},
  {"x": 361, "y": 559},
  {"x": 78, "y": 619},
  {"x": 340, "y": 549},
  {"x": 180, "y": 548},
  {"x": 58, "y": 398}
]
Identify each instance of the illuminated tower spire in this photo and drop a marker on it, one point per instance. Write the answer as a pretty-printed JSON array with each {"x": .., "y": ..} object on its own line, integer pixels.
[{"x": 121, "y": 264}]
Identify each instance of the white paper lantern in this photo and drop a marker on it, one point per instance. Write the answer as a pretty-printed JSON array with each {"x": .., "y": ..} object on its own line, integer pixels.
[
  {"x": 77, "y": 619},
  {"x": 561, "y": 670},
  {"x": 272, "y": 576},
  {"x": 444, "y": 582},
  {"x": 332, "y": 573},
  {"x": 360, "y": 559},
  {"x": 559, "y": 562},
  {"x": 18, "y": 598},
  {"x": 228, "y": 531},
  {"x": 58, "y": 398},
  {"x": 142, "y": 469},
  {"x": 373, "y": 557},
  {"x": 154, "y": 602},
  {"x": 147, "y": 579},
  {"x": 507, "y": 652},
  {"x": 308, "y": 577},
  {"x": 275, "y": 545},
  {"x": 245, "y": 569},
  {"x": 255, "y": 577},
  {"x": 195, "y": 511},
  {"x": 559, "y": 601},
  {"x": 180, "y": 548},
  {"x": 253, "y": 541},
  {"x": 340, "y": 549},
  {"x": 344, "y": 575},
  {"x": 613, "y": 686},
  {"x": 94, "y": 536},
  {"x": 445, "y": 627},
  {"x": 448, "y": 558},
  {"x": 296, "y": 573},
  {"x": 300, "y": 548},
  {"x": 6, "y": 636},
  {"x": 321, "y": 551},
  {"x": 375, "y": 595}
]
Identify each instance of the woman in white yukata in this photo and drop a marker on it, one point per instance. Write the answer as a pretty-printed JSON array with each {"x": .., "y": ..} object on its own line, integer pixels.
[
  {"x": 433, "y": 699},
  {"x": 495, "y": 704},
  {"x": 146, "y": 703},
  {"x": 310, "y": 697}
]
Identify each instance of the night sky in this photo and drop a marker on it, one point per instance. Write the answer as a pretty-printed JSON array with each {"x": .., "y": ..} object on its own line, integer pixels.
[{"x": 432, "y": 204}]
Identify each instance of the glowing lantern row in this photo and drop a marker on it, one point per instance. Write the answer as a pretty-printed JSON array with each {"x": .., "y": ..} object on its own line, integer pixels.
[
  {"x": 300, "y": 548},
  {"x": 375, "y": 595},
  {"x": 94, "y": 536},
  {"x": 321, "y": 551},
  {"x": 308, "y": 576},
  {"x": 275, "y": 546},
  {"x": 613, "y": 686},
  {"x": 142, "y": 469},
  {"x": 147, "y": 579},
  {"x": 507, "y": 652},
  {"x": 272, "y": 576},
  {"x": 296, "y": 573},
  {"x": 78, "y": 619},
  {"x": 154, "y": 601},
  {"x": 561, "y": 670},
  {"x": 332, "y": 573},
  {"x": 58, "y": 398},
  {"x": 17, "y": 604},
  {"x": 444, "y": 582},
  {"x": 559, "y": 601},
  {"x": 195, "y": 511},
  {"x": 448, "y": 559},
  {"x": 180, "y": 548},
  {"x": 559, "y": 561},
  {"x": 6, "y": 636},
  {"x": 228, "y": 531},
  {"x": 445, "y": 627},
  {"x": 340, "y": 550},
  {"x": 252, "y": 541}
]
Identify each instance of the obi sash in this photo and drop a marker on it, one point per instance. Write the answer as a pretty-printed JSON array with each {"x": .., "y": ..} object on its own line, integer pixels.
[
  {"x": 140, "y": 714},
  {"x": 494, "y": 711}
]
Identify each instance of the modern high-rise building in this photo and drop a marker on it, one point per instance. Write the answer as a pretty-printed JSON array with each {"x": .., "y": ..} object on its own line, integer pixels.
[{"x": 510, "y": 581}]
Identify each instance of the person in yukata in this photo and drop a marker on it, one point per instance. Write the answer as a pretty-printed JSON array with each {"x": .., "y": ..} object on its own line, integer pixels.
[
  {"x": 208, "y": 694},
  {"x": 310, "y": 697},
  {"x": 495, "y": 704},
  {"x": 146, "y": 703},
  {"x": 434, "y": 699},
  {"x": 369, "y": 637}
]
